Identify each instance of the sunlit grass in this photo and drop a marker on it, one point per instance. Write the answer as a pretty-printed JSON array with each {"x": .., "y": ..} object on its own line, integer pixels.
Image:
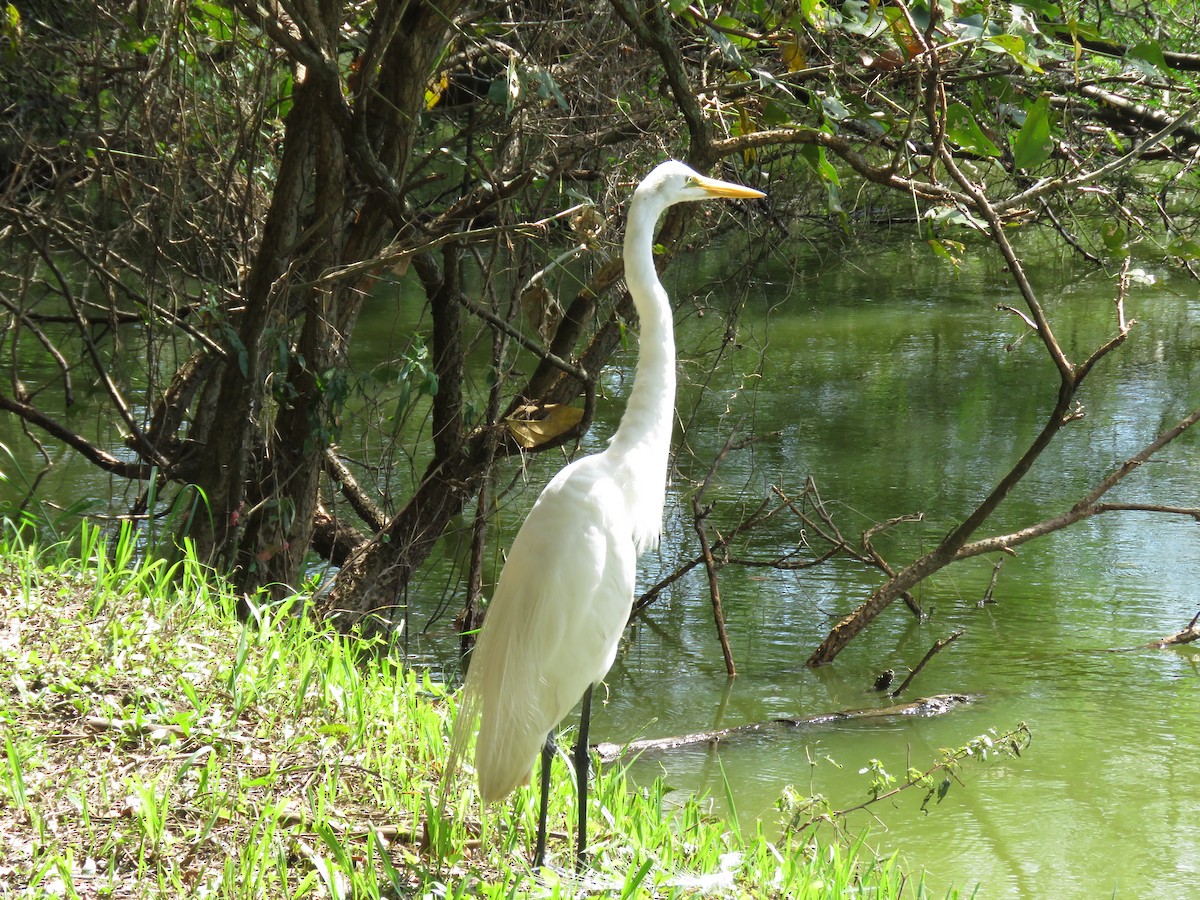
[{"x": 156, "y": 746}]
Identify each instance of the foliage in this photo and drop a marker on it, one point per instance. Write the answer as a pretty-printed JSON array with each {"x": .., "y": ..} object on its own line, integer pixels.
[
  {"x": 156, "y": 746},
  {"x": 201, "y": 202},
  {"x": 803, "y": 814}
]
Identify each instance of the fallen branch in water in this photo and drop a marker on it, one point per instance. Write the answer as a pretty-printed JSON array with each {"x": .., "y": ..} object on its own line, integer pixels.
[
  {"x": 938, "y": 645},
  {"x": 1186, "y": 636},
  {"x": 926, "y": 706},
  {"x": 989, "y": 594}
]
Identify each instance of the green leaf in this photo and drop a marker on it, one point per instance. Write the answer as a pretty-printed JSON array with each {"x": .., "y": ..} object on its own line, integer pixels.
[
  {"x": 216, "y": 20},
  {"x": 819, "y": 163},
  {"x": 1014, "y": 47},
  {"x": 1151, "y": 52},
  {"x": 962, "y": 128},
  {"x": 734, "y": 25},
  {"x": 1033, "y": 145},
  {"x": 1184, "y": 248},
  {"x": 1049, "y": 10},
  {"x": 816, "y": 12},
  {"x": 833, "y": 198},
  {"x": 1078, "y": 30},
  {"x": 775, "y": 114},
  {"x": 834, "y": 109},
  {"x": 547, "y": 87},
  {"x": 1113, "y": 236},
  {"x": 817, "y": 160},
  {"x": 144, "y": 47},
  {"x": 951, "y": 251},
  {"x": 949, "y": 215}
]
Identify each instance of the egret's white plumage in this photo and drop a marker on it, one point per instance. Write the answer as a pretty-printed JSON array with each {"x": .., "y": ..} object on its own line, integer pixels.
[
  {"x": 559, "y": 609},
  {"x": 566, "y": 591}
]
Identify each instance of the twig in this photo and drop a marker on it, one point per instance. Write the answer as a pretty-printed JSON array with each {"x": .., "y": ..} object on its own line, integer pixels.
[
  {"x": 372, "y": 515},
  {"x": 139, "y": 441},
  {"x": 576, "y": 372},
  {"x": 928, "y": 656},
  {"x": 991, "y": 588},
  {"x": 1122, "y": 290},
  {"x": 699, "y": 514},
  {"x": 1052, "y": 185},
  {"x": 19, "y": 315},
  {"x": 1072, "y": 241},
  {"x": 558, "y": 261},
  {"x": 909, "y": 600},
  {"x": 99, "y": 457},
  {"x": 1016, "y": 312},
  {"x": 397, "y": 253},
  {"x": 714, "y": 587},
  {"x": 1011, "y": 742},
  {"x": 989, "y": 212},
  {"x": 104, "y": 723}
]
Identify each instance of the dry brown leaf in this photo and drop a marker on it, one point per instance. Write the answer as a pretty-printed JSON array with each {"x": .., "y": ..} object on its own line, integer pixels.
[{"x": 533, "y": 426}]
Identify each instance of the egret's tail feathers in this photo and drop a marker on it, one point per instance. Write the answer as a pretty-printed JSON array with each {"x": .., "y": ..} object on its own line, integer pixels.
[{"x": 504, "y": 760}]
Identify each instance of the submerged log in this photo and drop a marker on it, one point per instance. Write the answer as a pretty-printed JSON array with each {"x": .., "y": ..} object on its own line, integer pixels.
[{"x": 925, "y": 706}]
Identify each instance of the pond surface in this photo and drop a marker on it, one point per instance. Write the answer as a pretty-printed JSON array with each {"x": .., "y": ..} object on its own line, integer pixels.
[
  {"x": 893, "y": 381},
  {"x": 890, "y": 383}
]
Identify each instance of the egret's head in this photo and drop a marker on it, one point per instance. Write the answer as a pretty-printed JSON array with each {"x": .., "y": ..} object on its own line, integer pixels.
[{"x": 673, "y": 182}]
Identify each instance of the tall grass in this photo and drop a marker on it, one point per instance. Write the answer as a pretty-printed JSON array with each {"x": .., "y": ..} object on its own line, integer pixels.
[{"x": 156, "y": 746}]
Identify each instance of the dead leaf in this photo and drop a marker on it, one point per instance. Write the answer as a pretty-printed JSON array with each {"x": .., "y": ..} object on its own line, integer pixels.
[
  {"x": 533, "y": 426},
  {"x": 587, "y": 224},
  {"x": 542, "y": 311},
  {"x": 887, "y": 61},
  {"x": 435, "y": 89}
]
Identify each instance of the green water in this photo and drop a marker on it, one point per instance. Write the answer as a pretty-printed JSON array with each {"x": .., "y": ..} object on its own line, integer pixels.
[
  {"x": 894, "y": 389},
  {"x": 885, "y": 376}
]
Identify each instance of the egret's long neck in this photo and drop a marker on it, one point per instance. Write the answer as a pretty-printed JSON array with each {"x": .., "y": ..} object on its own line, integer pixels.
[{"x": 643, "y": 439}]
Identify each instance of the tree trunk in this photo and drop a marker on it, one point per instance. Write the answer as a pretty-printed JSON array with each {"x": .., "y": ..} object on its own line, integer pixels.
[
  {"x": 272, "y": 410},
  {"x": 229, "y": 422},
  {"x": 372, "y": 584}
]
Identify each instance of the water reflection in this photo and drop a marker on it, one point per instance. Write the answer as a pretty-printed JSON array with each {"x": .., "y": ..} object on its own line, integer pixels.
[{"x": 900, "y": 396}]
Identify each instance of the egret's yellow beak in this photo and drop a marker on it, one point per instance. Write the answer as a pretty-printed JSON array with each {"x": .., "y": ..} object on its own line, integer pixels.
[{"x": 727, "y": 188}]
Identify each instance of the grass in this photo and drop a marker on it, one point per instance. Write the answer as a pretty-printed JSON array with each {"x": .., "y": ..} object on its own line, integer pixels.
[{"x": 155, "y": 746}]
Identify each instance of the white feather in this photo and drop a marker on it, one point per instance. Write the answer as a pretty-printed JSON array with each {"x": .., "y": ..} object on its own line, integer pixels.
[{"x": 564, "y": 597}]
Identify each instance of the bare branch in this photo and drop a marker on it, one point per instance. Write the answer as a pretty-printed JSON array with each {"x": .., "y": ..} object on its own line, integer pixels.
[
  {"x": 368, "y": 511},
  {"x": 92, "y": 453},
  {"x": 981, "y": 203},
  {"x": 930, "y": 654},
  {"x": 1090, "y": 506}
]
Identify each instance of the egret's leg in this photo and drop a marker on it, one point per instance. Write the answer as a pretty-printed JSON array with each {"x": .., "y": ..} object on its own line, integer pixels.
[
  {"x": 581, "y": 777},
  {"x": 539, "y": 854}
]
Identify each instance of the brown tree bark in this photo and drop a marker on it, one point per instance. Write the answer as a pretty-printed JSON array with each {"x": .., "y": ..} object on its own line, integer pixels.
[{"x": 261, "y": 474}]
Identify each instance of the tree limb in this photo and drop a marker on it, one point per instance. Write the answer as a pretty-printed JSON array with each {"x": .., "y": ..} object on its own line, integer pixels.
[
  {"x": 93, "y": 454},
  {"x": 937, "y": 647}
]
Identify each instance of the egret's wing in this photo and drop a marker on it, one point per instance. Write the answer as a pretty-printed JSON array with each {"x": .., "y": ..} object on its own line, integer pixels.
[{"x": 553, "y": 625}]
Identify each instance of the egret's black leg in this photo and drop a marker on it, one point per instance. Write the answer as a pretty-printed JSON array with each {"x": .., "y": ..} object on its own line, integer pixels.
[
  {"x": 582, "y": 759},
  {"x": 539, "y": 854}
]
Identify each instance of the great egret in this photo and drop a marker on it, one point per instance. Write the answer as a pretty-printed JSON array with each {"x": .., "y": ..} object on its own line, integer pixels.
[{"x": 566, "y": 591}]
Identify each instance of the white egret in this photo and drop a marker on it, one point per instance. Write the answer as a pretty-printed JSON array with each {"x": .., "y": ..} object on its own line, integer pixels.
[{"x": 566, "y": 591}]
